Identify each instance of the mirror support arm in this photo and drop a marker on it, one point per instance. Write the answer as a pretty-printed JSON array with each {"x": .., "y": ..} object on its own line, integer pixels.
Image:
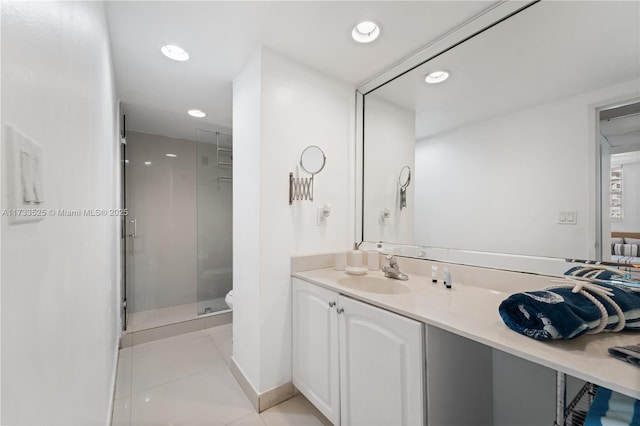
[{"x": 300, "y": 188}]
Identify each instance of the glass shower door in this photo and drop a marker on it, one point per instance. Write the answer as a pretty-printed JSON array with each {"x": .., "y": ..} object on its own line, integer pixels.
[
  {"x": 215, "y": 239},
  {"x": 162, "y": 227}
]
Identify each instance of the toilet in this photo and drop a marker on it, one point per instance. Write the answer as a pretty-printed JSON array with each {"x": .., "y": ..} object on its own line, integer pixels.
[{"x": 229, "y": 299}]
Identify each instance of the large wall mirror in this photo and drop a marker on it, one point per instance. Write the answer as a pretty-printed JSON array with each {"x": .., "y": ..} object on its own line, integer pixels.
[{"x": 508, "y": 155}]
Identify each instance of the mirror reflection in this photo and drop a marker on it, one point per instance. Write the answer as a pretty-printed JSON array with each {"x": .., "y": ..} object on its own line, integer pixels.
[
  {"x": 403, "y": 182},
  {"x": 312, "y": 160},
  {"x": 508, "y": 153}
]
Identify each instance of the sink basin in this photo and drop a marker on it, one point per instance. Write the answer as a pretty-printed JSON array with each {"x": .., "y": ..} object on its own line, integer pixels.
[{"x": 374, "y": 284}]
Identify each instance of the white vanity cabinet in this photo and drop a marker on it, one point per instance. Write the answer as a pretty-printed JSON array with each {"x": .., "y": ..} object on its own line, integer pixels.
[
  {"x": 358, "y": 364},
  {"x": 315, "y": 347},
  {"x": 381, "y": 366}
]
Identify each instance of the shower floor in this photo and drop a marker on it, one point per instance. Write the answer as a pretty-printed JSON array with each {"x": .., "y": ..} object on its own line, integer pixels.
[{"x": 143, "y": 320}]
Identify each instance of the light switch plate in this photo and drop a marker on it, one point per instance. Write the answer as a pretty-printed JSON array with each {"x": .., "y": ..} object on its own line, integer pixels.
[
  {"x": 568, "y": 217},
  {"x": 25, "y": 196}
]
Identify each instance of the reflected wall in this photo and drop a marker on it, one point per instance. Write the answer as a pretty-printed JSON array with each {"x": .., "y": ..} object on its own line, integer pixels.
[{"x": 508, "y": 147}]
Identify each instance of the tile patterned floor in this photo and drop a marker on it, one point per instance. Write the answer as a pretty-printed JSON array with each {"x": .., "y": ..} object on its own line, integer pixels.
[{"x": 186, "y": 380}]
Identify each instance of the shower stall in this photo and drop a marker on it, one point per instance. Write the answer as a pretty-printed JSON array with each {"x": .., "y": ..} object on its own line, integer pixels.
[{"x": 178, "y": 233}]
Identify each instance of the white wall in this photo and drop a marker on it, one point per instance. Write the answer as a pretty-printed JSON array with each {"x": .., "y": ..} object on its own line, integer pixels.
[
  {"x": 246, "y": 218},
  {"x": 60, "y": 276},
  {"x": 280, "y": 108},
  {"x": 390, "y": 134},
  {"x": 499, "y": 185}
]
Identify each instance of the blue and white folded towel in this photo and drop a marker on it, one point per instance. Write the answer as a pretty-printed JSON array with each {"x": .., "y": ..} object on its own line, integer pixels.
[
  {"x": 579, "y": 307},
  {"x": 613, "y": 409},
  {"x": 629, "y": 353}
]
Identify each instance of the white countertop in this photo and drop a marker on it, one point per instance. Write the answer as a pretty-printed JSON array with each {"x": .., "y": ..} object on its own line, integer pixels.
[{"x": 472, "y": 312}]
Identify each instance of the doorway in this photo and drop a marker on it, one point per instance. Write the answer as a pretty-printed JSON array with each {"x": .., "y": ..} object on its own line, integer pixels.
[{"x": 619, "y": 129}]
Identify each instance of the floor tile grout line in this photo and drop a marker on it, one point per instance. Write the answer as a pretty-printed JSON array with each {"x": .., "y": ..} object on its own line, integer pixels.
[
  {"x": 219, "y": 350},
  {"x": 244, "y": 417},
  {"x": 116, "y": 394},
  {"x": 218, "y": 347},
  {"x": 142, "y": 346},
  {"x": 130, "y": 402},
  {"x": 219, "y": 341},
  {"x": 221, "y": 365},
  {"x": 129, "y": 398}
]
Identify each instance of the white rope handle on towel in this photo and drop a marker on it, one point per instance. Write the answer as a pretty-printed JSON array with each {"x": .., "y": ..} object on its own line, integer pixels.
[
  {"x": 591, "y": 272},
  {"x": 581, "y": 287}
]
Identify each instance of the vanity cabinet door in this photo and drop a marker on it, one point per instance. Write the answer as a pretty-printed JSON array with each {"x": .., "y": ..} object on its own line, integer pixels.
[
  {"x": 381, "y": 366},
  {"x": 315, "y": 347}
]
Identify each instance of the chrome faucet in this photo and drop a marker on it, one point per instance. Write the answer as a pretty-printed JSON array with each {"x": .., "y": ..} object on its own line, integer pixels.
[{"x": 393, "y": 271}]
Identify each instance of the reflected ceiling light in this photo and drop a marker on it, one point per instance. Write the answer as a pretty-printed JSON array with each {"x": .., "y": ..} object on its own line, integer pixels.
[
  {"x": 171, "y": 155},
  {"x": 174, "y": 52},
  {"x": 365, "y": 32},
  {"x": 197, "y": 113},
  {"x": 436, "y": 77},
  {"x": 147, "y": 163}
]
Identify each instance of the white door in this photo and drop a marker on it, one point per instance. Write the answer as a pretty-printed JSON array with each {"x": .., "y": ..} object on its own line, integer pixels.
[
  {"x": 315, "y": 347},
  {"x": 381, "y": 366}
]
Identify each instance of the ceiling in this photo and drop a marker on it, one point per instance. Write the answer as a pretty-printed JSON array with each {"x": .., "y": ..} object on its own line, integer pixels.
[
  {"x": 220, "y": 36},
  {"x": 550, "y": 51}
]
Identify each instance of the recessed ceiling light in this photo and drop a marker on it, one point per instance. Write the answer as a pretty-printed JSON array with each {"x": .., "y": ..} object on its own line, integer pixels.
[
  {"x": 197, "y": 113},
  {"x": 174, "y": 52},
  {"x": 365, "y": 32},
  {"x": 171, "y": 155},
  {"x": 436, "y": 77},
  {"x": 147, "y": 163}
]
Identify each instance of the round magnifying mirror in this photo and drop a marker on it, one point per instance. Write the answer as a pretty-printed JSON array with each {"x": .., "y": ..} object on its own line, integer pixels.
[
  {"x": 405, "y": 177},
  {"x": 312, "y": 159}
]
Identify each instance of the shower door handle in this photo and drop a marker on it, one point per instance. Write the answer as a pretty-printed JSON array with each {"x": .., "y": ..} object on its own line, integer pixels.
[{"x": 134, "y": 222}]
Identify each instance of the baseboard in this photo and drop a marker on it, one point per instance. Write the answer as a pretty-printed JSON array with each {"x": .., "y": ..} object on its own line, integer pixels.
[
  {"x": 144, "y": 336},
  {"x": 266, "y": 400},
  {"x": 276, "y": 396},
  {"x": 114, "y": 378},
  {"x": 245, "y": 385}
]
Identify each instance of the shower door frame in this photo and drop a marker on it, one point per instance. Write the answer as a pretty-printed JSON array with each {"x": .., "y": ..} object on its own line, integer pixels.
[{"x": 123, "y": 227}]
